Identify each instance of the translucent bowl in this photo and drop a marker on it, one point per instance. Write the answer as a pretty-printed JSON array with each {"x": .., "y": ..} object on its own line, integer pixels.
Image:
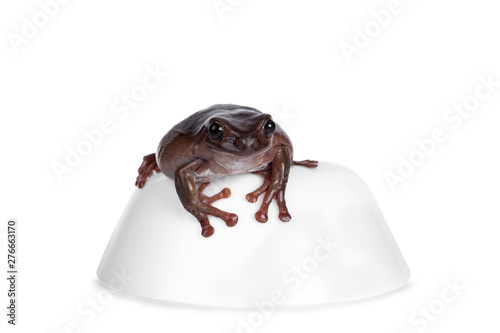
[{"x": 337, "y": 247}]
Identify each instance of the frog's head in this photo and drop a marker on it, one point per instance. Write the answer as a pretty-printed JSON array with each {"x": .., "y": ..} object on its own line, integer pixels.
[{"x": 242, "y": 133}]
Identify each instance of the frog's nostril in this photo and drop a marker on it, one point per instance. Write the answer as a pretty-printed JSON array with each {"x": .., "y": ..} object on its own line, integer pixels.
[
  {"x": 247, "y": 141},
  {"x": 244, "y": 144}
]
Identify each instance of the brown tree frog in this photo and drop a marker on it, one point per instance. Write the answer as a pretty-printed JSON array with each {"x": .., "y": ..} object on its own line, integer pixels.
[{"x": 222, "y": 140}]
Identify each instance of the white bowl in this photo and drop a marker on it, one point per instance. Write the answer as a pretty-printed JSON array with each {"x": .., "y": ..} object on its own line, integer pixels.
[{"x": 337, "y": 247}]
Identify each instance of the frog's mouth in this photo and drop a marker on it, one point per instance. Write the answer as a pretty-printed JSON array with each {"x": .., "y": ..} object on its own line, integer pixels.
[
  {"x": 235, "y": 149},
  {"x": 240, "y": 146}
]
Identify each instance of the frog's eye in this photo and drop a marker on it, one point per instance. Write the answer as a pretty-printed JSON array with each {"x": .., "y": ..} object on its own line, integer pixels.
[
  {"x": 215, "y": 130},
  {"x": 269, "y": 128}
]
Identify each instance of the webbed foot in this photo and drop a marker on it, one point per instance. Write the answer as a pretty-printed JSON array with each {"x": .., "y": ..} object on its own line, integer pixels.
[
  {"x": 204, "y": 207},
  {"x": 271, "y": 188},
  {"x": 146, "y": 169}
]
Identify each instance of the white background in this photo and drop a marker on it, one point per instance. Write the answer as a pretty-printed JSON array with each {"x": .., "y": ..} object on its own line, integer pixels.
[{"x": 282, "y": 57}]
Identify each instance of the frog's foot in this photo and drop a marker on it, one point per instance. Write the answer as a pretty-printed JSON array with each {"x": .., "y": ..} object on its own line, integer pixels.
[
  {"x": 146, "y": 169},
  {"x": 306, "y": 163},
  {"x": 204, "y": 207},
  {"x": 273, "y": 188}
]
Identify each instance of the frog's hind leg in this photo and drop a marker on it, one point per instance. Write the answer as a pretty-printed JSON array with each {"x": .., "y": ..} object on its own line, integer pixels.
[{"x": 146, "y": 169}]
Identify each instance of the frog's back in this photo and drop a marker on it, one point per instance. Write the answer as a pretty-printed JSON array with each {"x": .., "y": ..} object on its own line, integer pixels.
[{"x": 194, "y": 123}]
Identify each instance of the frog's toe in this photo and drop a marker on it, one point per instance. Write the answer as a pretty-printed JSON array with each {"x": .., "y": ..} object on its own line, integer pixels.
[
  {"x": 207, "y": 231},
  {"x": 261, "y": 216},
  {"x": 206, "y": 228},
  {"x": 253, "y": 196},
  {"x": 285, "y": 217},
  {"x": 224, "y": 194},
  {"x": 231, "y": 219},
  {"x": 306, "y": 163}
]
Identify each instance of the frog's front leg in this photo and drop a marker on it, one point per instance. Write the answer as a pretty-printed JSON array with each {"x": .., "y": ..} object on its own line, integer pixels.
[
  {"x": 198, "y": 204},
  {"x": 274, "y": 187}
]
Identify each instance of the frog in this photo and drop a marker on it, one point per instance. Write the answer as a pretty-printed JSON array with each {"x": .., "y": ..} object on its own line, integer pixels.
[{"x": 219, "y": 141}]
